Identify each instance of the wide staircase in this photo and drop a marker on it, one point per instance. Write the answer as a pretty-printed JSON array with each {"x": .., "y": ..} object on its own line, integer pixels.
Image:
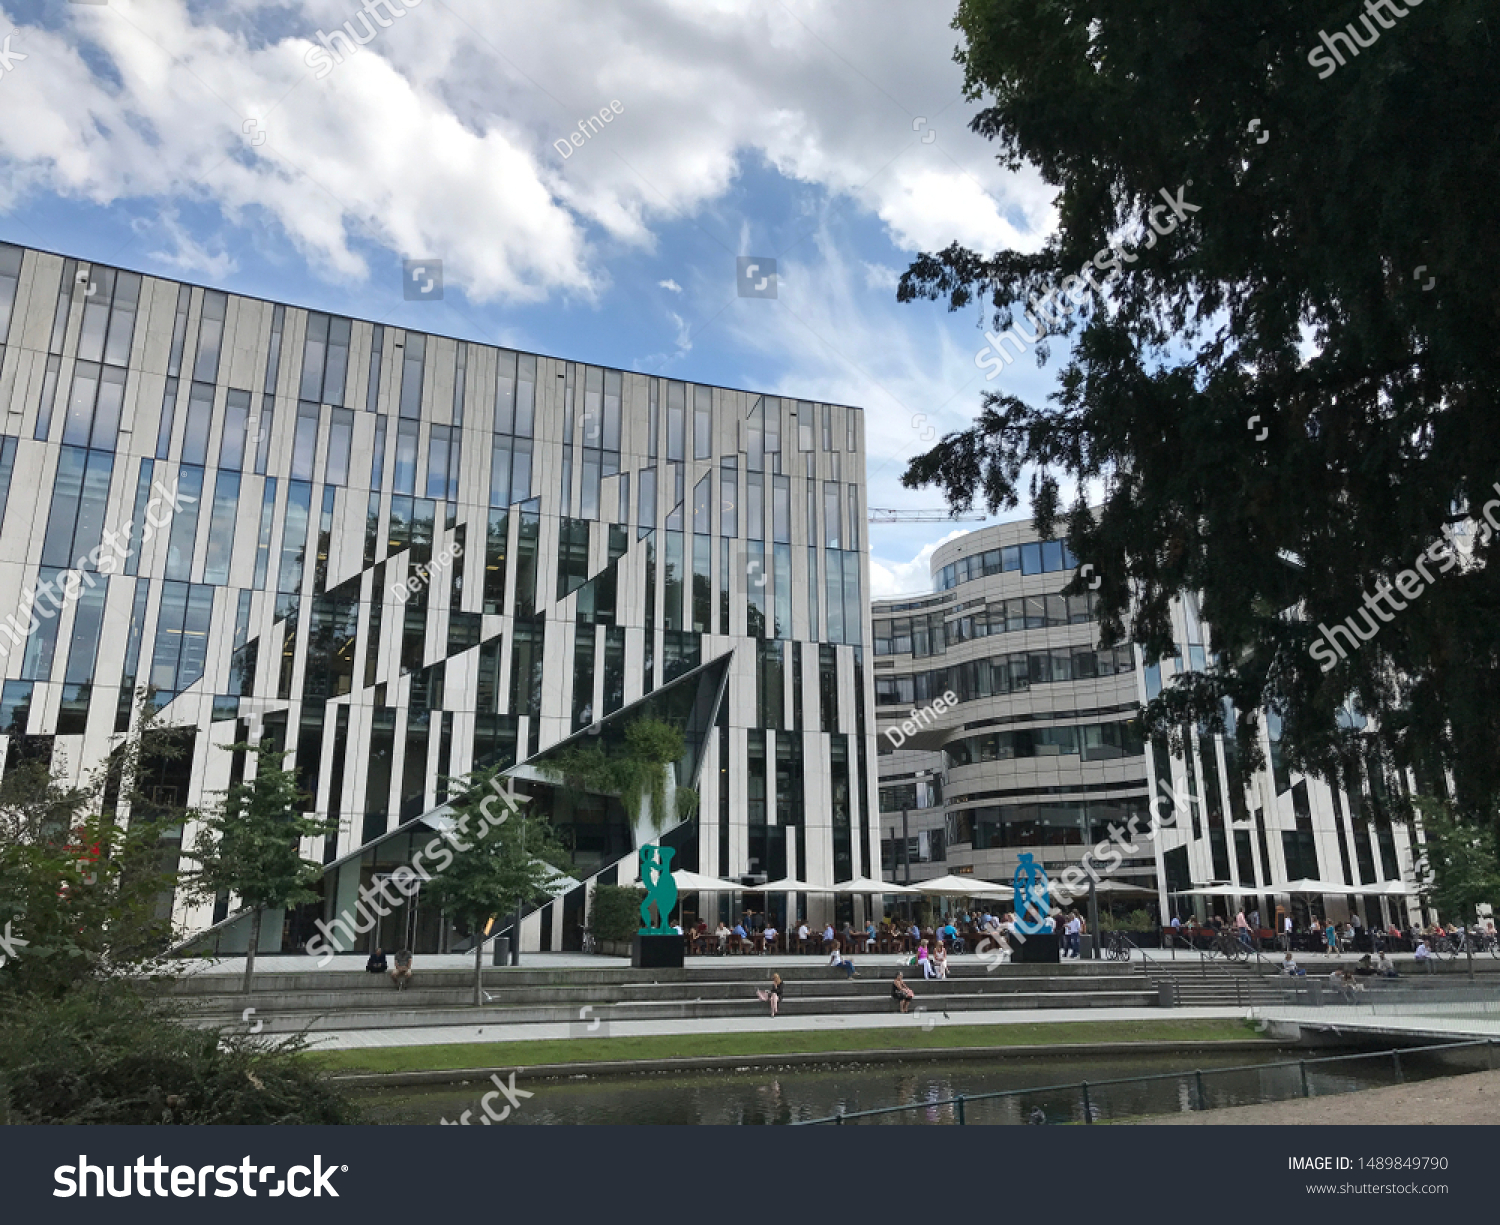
[
  {"x": 1197, "y": 981},
  {"x": 340, "y": 1000}
]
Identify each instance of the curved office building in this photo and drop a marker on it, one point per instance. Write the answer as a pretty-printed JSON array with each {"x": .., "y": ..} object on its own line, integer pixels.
[
  {"x": 1041, "y": 751},
  {"x": 402, "y": 557}
]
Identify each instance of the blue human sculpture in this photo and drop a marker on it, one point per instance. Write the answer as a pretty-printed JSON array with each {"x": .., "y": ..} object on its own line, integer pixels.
[
  {"x": 1030, "y": 884},
  {"x": 661, "y": 889}
]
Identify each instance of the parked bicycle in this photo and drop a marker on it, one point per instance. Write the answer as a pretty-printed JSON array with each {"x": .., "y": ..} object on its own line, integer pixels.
[
  {"x": 1117, "y": 946},
  {"x": 1229, "y": 946}
]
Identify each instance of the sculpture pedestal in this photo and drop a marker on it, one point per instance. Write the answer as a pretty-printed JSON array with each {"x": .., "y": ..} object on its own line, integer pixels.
[
  {"x": 657, "y": 952},
  {"x": 1042, "y": 947}
]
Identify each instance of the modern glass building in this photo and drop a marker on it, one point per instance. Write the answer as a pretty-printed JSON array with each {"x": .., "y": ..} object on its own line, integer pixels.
[
  {"x": 1043, "y": 752},
  {"x": 404, "y": 556}
]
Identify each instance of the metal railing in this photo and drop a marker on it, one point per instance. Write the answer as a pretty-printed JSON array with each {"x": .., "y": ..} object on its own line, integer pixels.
[{"x": 1198, "y": 1097}]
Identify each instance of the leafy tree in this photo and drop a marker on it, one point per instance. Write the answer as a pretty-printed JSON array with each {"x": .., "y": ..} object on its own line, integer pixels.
[
  {"x": 1288, "y": 398},
  {"x": 636, "y": 771},
  {"x": 501, "y": 859},
  {"x": 249, "y": 844},
  {"x": 86, "y": 893},
  {"x": 1458, "y": 866}
]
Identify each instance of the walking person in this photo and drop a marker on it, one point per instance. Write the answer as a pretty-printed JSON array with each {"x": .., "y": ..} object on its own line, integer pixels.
[
  {"x": 772, "y": 994},
  {"x": 1074, "y": 933}
]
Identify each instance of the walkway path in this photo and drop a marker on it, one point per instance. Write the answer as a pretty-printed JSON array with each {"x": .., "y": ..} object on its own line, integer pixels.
[{"x": 448, "y": 1034}]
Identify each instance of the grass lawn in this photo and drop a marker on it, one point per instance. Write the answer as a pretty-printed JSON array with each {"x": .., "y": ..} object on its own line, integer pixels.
[{"x": 943, "y": 1037}]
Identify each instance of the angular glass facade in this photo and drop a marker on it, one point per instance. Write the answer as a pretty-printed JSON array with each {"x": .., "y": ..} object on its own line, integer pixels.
[{"x": 404, "y": 556}]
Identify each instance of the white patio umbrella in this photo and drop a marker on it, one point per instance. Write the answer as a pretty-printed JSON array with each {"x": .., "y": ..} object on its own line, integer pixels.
[
  {"x": 1215, "y": 891},
  {"x": 1306, "y": 885},
  {"x": 865, "y": 884},
  {"x": 1123, "y": 889},
  {"x": 689, "y": 882},
  {"x": 962, "y": 886},
  {"x": 789, "y": 884},
  {"x": 1387, "y": 888}
]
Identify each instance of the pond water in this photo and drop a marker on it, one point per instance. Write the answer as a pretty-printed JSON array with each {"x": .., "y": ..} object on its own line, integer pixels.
[{"x": 795, "y": 1093}]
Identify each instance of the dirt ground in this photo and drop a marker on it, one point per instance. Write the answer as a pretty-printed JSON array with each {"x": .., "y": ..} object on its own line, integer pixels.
[{"x": 1449, "y": 1099}]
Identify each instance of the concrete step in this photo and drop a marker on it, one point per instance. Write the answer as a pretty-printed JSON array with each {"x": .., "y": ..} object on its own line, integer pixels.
[{"x": 411, "y": 1013}]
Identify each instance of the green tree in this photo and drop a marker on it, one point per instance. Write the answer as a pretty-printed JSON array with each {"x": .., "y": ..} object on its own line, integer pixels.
[
  {"x": 249, "y": 844},
  {"x": 502, "y": 858},
  {"x": 1289, "y": 397},
  {"x": 1458, "y": 869},
  {"x": 86, "y": 890},
  {"x": 637, "y": 771}
]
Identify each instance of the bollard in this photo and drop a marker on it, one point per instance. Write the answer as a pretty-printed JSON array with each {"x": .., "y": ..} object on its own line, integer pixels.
[
  {"x": 1302, "y": 1067},
  {"x": 1489, "y": 1053},
  {"x": 838, "y": 1120},
  {"x": 1202, "y": 1100},
  {"x": 1396, "y": 1063},
  {"x": 1088, "y": 1113},
  {"x": 959, "y": 1103}
]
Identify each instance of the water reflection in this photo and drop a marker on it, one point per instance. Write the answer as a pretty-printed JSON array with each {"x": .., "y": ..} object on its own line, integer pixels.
[{"x": 782, "y": 1095}]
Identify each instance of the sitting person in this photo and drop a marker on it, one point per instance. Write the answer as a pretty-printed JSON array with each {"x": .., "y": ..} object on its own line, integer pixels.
[
  {"x": 838, "y": 961},
  {"x": 1366, "y": 967},
  {"x": 950, "y": 938},
  {"x": 938, "y": 963},
  {"x": 770, "y": 935},
  {"x": 901, "y": 993},
  {"x": 924, "y": 959},
  {"x": 1423, "y": 954},
  {"x": 870, "y": 936},
  {"x": 829, "y": 939},
  {"x": 1288, "y": 966},
  {"x": 1385, "y": 967},
  {"x": 914, "y": 934},
  {"x": 802, "y": 937},
  {"x": 722, "y": 935},
  {"x": 376, "y": 964},
  {"x": 772, "y": 994},
  {"x": 401, "y": 972}
]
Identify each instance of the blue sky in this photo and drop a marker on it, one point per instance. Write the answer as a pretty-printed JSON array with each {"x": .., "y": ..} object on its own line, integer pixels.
[{"x": 210, "y": 141}]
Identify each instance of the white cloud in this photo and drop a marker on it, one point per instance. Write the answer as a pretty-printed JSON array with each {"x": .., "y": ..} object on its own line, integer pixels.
[
  {"x": 669, "y": 284},
  {"x": 435, "y": 139},
  {"x": 914, "y": 577}
]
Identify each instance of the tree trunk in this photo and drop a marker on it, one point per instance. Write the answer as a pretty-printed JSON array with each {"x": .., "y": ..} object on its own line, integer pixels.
[
  {"x": 478, "y": 969},
  {"x": 250, "y": 952}
]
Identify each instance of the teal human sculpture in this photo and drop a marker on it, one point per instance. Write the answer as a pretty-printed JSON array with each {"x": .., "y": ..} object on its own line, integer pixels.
[
  {"x": 661, "y": 889},
  {"x": 1031, "y": 889}
]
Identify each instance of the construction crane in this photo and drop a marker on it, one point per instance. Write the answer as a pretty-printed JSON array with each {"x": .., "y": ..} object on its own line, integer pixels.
[{"x": 881, "y": 514}]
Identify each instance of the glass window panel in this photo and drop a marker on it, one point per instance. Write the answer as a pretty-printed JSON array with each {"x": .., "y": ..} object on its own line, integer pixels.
[
  {"x": 612, "y": 383},
  {"x": 413, "y": 355},
  {"x": 437, "y": 461},
  {"x": 771, "y": 416},
  {"x": 294, "y": 536},
  {"x": 804, "y": 426},
  {"x": 520, "y": 471},
  {"x": 340, "y": 442},
  {"x": 702, "y": 422},
  {"x": 729, "y": 496},
  {"x": 199, "y": 418},
  {"x": 755, "y": 511},
  {"x": 406, "y": 457},
  {"x": 645, "y": 511},
  {"x": 589, "y": 505},
  {"x": 81, "y": 398},
  {"x": 855, "y": 517},
  {"x": 210, "y": 336},
  {"x": 781, "y": 509},
  {"x": 305, "y": 444},
  {"x": 336, "y": 373},
  {"x": 232, "y": 440},
  {"x": 676, "y": 411},
  {"x": 372, "y": 390},
  {"x": 505, "y": 393},
  {"x": 703, "y": 504},
  {"x": 1052, "y": 555},
  {"x": 184, "y": 533},
  {"x": 831, "y": 515},
  {"x": 525, "y": 395},
  {"x": 106, "y": 430},
  {"x": 122, "y": 319},
  {"x": 95, "y": 315},
  {"x": 221, "y": 527},
  {"x": 314, "y": 357},
  {"x": 1031, "y": 558}
]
